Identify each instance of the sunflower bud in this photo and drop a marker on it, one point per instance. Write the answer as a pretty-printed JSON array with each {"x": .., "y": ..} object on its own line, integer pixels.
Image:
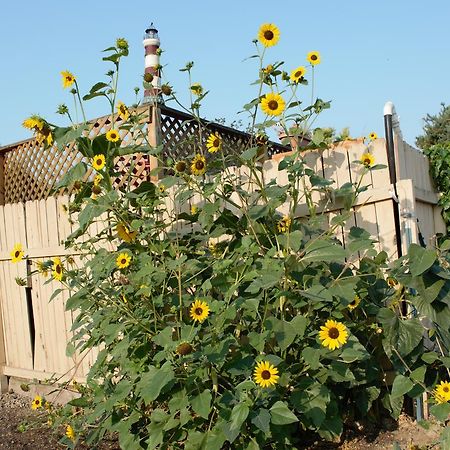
[
  {"x": 184, "y": 349},
  {"x": 21, "y": 281},
  {"x": 166, "y": 89},
  {"x": 62, "y": 109},
  {"x": 148, "y": 77},
  {"x": 25, "y": 387},
  {"x": 73, "y": 91},
  {"x": 122, "y": 44}
]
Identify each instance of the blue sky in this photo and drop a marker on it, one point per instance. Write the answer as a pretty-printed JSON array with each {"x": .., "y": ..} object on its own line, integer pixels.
[{"x": 371, "y": 52}]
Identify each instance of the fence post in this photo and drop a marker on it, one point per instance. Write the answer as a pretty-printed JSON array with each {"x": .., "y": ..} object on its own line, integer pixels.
[
  {"x": 154, "y": 135},
  {"x": 2, "y": 178}
]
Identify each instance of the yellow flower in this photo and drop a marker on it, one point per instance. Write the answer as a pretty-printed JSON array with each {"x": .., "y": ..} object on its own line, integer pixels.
[
  {"x": 70, "y": 433},
  {"x": 122, "y": 110},
  {"x": 17, "y": 253},
  {"x": 313, "y": 58},
  {"x": 284, "y": 224},
  {"x": 265, "y": 374},
  {"x": 37, "y": 402},
  {"x": 124, "y": 233},
  {"x": 333, "y": 335},
  {"x": 272, "y": 104},
  {"x": 42, "y": 268},
  {"x": 112, "y": 135},
  {"x": 373, "y": 136},
  {"x": 214, "y": 143},
  {"x": 356, "y": 301},
  {"x": 198, "y": 165},
  {"x": 194, "y": 210},
  {"x": 123, "y": 260},
  {"x": 67, "y": 79},
  {"x": 98, "y": 162},
  {"x": 442, "y": 392},
  {"x": 197, "y": 89},
  {"x": 123, "y": 298},
  {"x": 180, "y": 166},
  {"x": 268, "y": 34},
  {"x": 97, "y": 179},
  {"x": 199, "y": 310},
  {"x": 268, "y": 69},
  {"x": 368, "y": 159},
  {"x": 297, "y": 74},
  {"x": 57, "y": 269},
  {"x": 33, "y": 123}
]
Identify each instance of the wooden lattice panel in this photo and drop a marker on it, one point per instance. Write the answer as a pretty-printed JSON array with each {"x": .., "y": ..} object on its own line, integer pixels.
[{"x": 31, "y": 172}]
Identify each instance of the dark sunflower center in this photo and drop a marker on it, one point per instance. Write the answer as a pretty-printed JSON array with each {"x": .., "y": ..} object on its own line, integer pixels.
[
  {"x": 265, "y": 375},
  {"x": 313, "y": 57},
  {"x": 298, "y": 74},
  {"x": 99, "y": 162},
  {"x": 333, "y": 333},
  {"x": 367, "y": 161},
  {"x": 199, "y": 165},
  {"x": 69, "y": 78},
  {"x": 216, "y": 142},
  {"x": 198, "y": 311},
  {"x": 268, "y": 35},
  {"x": 58, "y": 269},
  {"x": 445, "y": 389},
  {"x": 113, "y": 135},
  {"x": 353, "y": 303},
  {"x": 181, "y": 166},
  {"x": 37, "y": 402},
  {"x": 17, "y": 254},
  {"x": 273, "y": 105},
  {"x": 123, "y": 261}
]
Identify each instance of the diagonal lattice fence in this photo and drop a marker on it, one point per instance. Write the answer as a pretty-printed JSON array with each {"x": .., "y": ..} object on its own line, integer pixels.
[{"x": 31, "y": 172}]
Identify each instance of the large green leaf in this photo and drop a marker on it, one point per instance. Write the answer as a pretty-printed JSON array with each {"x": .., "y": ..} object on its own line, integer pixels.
[
  {"x": 323, "y": 251},
  {"x": 420, "y": 259},
  {"x": 262, "y": 420},
  {"x": 201, "y": 403},
  {"x": 441, "y": 411},
  {"x": 400, "y": 335},
  {"x": 153, "y": 381},
  {"x": 401, "y": 386},
  {"x": 281, "y": 414}
]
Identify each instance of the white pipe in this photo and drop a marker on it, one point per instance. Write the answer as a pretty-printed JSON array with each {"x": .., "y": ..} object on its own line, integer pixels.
[{"x": 389, "y": 109}]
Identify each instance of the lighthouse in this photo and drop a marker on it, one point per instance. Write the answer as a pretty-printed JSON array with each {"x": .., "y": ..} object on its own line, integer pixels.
[{"x": 151, "y": 44}]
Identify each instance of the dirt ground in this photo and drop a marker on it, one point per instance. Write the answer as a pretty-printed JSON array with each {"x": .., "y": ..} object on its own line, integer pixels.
[{"x": 17, "y": 432}]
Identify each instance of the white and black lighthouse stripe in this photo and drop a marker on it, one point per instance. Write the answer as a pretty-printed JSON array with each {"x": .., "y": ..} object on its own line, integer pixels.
[{"x": 151, "y": 45}]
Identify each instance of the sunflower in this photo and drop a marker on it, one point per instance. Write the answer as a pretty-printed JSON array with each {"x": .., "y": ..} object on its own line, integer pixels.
[
  {"x": 37, "y": 402},
  {"x": 199, "y": 310},
  {"x": 297, "y": 74},
  {"x": 67, "y": 79},
  {"x": 180, "y": 166},
  {"x": 368, "y": 159},
  {"x": 184, "y": 349},
  {"x": 268, "y": 69},
  {"x": 17, "y": 253},
  {"x": 97, "y": 179},
  {"x": 373, "y": 136},
  {"x": 122, "y": 110},
  {"x": 123, "y": 260},
  {"x": 214, "y": 143},
  {"x": 98, "y": 162},
  {"x": 442, "y": 392},
  {"x": 197, "y": 89},
  {"x": 272, "y": 104},
  {"x": 112, "y": 135},
  {"x": 124, "y": 233},
  {"x": 333, "y": 335},
  {"x": 198, "y": 165},
  {"x": 194, "y": 210},
  {"x": 313, "y": 58},
  {"x": 354, "y": 303},
  {"x": 57, "y": 269},
  {"x": 265, "y": 374},
  {"x": 70, "y": 432},
  {"x": 284, "y": 224},
  {"x": 268, "y": 34},
  {"x": 42, "y": 268},
  {"x": 33, "y": 123}
]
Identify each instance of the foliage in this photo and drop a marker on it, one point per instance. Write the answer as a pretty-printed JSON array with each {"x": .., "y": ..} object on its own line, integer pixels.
[
  {"x": 436, "y": 129},
  {"x": 170, "y": 376},
  {"x": 439, "y": 157}
]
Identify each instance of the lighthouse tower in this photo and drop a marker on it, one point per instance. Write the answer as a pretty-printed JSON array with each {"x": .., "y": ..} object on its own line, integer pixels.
[{"x": 151, "y": 44}]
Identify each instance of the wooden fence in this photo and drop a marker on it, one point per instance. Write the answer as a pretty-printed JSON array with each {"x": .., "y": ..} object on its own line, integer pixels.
[{"x": 34, "y": 331}]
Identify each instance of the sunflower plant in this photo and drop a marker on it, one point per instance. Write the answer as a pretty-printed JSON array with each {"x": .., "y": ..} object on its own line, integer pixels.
[{"x": 223, "y": 319}]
